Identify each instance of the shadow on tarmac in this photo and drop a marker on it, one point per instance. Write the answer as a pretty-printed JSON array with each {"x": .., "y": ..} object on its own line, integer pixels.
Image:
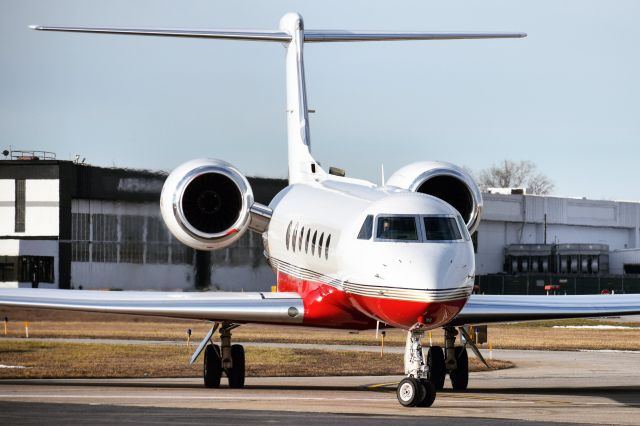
[
  {"x": 21, "y": 413},
  {"x": 627, "y": 395}
]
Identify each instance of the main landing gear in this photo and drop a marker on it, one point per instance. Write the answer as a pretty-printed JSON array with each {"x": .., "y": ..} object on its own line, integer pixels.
[
  {"x": 423, "y": 379},
  {"x": 225, "y": 358},
  {"x": 453, "y": 360}
]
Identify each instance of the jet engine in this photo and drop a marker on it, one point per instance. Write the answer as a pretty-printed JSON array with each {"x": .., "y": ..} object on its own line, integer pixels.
[
  {"x": 206, "y": 204},
  {"x": 446, "y": 181}
]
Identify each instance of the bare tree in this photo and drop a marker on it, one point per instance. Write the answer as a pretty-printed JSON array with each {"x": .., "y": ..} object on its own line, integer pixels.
[{"x": 515, "y": 174}]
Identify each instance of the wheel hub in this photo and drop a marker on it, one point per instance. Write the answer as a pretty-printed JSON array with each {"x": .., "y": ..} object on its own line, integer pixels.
[{"x": 406, "y": 391}]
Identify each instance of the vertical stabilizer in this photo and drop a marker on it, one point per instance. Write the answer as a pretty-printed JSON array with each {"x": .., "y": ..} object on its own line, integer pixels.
[{"x": 302, "y": 166}]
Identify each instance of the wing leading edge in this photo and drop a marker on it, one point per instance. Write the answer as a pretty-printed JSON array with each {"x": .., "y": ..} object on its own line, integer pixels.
[
  {"x": 483, "y": 309},
  {"x": 275, "y": 308}
]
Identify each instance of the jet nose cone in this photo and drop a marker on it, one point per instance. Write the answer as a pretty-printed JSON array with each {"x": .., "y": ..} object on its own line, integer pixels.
[{"x": 443, "y": 266}]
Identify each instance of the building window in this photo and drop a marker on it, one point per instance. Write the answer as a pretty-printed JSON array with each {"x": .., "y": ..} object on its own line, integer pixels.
[
  {"x": 180, "y": 253},
  {"x": 240, "y": 252},
  {"x": 8, "y": 268},
  {"x": 32, "y": 269},
  {"x": 35, "y": 269},
  {"x": 157, "y": 241},
  {"x": 132, "y": 233},
  {"x": 20, "y": 205},
  {"x": 104, "y": 238},
  {"x": 80, "y": 237},
  {"x": 631, "y": 268}
]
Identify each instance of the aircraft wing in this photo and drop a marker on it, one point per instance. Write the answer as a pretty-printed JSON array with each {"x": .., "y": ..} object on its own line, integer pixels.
[
  {"x": 275, "y": 308},
  {"x": 483, "y": 309}
]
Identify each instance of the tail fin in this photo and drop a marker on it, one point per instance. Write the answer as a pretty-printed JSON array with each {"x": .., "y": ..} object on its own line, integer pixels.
[{"x": 302, "y": 166}]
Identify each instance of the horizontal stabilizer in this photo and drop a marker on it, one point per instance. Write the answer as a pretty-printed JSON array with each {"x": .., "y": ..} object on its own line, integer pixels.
[
  {"x": 338, "y": 36},
  {"x": 261, "y": 35},
  {"x": 313, "y": 36}
]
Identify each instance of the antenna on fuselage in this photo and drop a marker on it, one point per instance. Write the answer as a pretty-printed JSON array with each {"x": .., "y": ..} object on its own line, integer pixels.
[
  {"x": 302, "y": 166},
  {"x": 382, "y": 180}
]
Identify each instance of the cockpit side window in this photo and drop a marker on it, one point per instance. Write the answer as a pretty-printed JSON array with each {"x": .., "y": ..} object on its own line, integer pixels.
[
  {"x": 367, "y": 227},
  {"x": 397, "y": 228},
  {"x": 440, "y": 228},
  {"x": 463, "y": 227}
]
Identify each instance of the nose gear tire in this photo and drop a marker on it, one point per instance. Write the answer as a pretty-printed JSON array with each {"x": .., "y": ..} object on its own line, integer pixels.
[
  {"x": 410, "y": 392},
  {"x": 429, "y": 393}
]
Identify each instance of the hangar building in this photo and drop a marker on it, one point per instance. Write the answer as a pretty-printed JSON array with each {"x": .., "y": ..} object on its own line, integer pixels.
[
  {"x": 70, "y": 225},
  {"x": 527, "y": 242}
]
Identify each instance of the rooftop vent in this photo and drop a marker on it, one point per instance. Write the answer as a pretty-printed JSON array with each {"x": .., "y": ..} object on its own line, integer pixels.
[{"x": 28, "y": 155}]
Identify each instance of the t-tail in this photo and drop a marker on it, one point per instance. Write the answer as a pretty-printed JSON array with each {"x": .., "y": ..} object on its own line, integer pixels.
[{"x": 292, "y": 34}]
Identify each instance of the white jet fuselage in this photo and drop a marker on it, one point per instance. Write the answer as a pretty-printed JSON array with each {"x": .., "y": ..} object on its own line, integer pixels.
[{"x": 316, "y": 245}]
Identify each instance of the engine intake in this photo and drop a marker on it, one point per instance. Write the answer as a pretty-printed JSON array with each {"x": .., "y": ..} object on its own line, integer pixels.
[
  {"x": 445, "y": 181},
  {"x": 206, "y": 204}
]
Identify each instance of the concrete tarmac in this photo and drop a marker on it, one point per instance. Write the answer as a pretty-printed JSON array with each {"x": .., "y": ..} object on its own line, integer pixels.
[{"x": 576, "y": 387}]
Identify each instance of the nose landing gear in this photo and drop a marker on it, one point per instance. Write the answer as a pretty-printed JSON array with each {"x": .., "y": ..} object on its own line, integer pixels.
[
  {"x": 419, "y": 388},
  {"x": 416, "y": 390}
]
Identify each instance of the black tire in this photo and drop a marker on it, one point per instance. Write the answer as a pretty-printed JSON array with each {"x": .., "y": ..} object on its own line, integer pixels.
[
  {"x": 460, "y": 376},
  {"x": 437, "y": 372},
  {"x": 212, "y": 369},
  {"x": 236, "y": 373},
  {"x": 429, "y": 393},
  {"x": 410, "y": 392}
]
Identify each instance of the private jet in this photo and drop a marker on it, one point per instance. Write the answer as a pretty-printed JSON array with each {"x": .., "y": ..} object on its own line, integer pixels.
[{"x": 347, "y": 253}]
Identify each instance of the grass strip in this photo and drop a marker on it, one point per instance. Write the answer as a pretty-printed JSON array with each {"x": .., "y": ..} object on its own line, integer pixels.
[{"x": 68, "y": 360}]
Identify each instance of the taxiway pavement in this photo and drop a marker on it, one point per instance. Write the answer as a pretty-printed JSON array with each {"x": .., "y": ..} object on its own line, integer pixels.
[{"x": 577, "y": 387}]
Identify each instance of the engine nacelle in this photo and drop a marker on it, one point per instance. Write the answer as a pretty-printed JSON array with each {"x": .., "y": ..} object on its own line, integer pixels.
[
  {"x": 206, "y": 204},
  {"x": 446, "y": 181}
]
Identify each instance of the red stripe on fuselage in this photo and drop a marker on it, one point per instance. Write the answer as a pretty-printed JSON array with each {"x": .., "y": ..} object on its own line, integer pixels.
[{"x": 326, "y": 306}]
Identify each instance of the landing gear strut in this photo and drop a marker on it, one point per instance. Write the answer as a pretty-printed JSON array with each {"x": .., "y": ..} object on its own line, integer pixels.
[
  {"x": 416, "y": 390},
  {"x": 225, "y": 358},
  {"x": 456, "y": 360}
]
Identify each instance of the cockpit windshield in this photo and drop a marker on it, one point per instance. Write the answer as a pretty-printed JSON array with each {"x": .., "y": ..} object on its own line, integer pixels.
[
  {"x": 418, "y": 228},
  {"x": 441, "y": 228},
  {"x": 397, "y": 228}
]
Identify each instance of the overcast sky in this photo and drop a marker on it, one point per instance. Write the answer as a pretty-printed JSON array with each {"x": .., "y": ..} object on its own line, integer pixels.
[{"x": 567, "y": 97}]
